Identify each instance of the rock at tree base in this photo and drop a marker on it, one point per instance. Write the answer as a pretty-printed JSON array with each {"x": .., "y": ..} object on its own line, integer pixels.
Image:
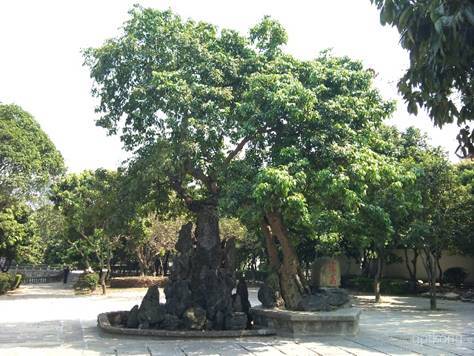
[
  {"x": 195, "y": 318},
  {"x": 178, "y": 297},
  {"x": 151, "y": 312},
  {"x": 199, "y": 292},
  {"x": 325, "y": 299},
  {"x": 326, "y": 273},
  {"x": 170, "y": 322},
  {"x": 236, "y": 303},
  {"x": 236, "y": 321},
  {"x": 132, "y": 319},
  {"x": 243, "y": 293},
  {"x": 269, "y": 294},
  {"x": 266, "y": 296}
]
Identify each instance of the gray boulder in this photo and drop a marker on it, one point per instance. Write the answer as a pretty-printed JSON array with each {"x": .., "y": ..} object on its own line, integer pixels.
[
  {"x": 236, "y": 321},
  {"x": 195, "y": 318},
  {"x": 324, "y": 299},
  {"x": 178, "y": 297},
  {"x": 132, "y": 319},
  {"x": 170, "y": 322},
  {"x": 266, "y": 296},
  {"x": 151, "y": 312},
  {"x": 236, "y": 303}
]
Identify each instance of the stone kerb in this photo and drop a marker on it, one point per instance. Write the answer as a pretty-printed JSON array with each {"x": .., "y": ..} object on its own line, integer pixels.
[
  {"x": 104, "y": 323},
  {"x": 343, "y": 321}
]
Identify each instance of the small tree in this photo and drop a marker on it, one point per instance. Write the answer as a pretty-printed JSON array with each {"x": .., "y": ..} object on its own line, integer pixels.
[
  {"x": 88, "y": 202},
  {"x": 435, "y": 224}
]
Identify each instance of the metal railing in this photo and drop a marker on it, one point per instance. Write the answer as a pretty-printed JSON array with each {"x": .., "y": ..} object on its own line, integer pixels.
[{"x": 43, "y": 279}]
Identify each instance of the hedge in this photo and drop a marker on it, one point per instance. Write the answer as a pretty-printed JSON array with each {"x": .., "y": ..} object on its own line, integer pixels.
[
  {"x": 387, "y": 285},
  {"x": 9, "y": 282},
  {"x": 137, "y": 282}
]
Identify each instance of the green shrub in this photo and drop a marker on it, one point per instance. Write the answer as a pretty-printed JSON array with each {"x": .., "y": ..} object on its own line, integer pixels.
[
  {"x": 395, "y": 286},
  {"x": 7, "y": 282},
  {"x": 359, "y": 283},
  {"x": 87, "y": 282},
  {"x": 455, "y": 275},
  {"x": 17, "y": 281},
  {"x": 387, "y": 286}
]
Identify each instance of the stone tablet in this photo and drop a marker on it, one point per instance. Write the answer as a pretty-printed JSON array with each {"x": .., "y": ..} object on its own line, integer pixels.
[{"x": 326, "y": 273}]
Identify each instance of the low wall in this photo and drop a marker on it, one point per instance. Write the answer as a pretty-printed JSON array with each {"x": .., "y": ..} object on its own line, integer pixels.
[
  {"x": 36, "y": 271},
  {"x": 399, "y": 270}
]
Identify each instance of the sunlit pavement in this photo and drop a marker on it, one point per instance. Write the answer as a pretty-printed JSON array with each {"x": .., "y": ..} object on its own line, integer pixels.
[{"x": 49, "y": 319}]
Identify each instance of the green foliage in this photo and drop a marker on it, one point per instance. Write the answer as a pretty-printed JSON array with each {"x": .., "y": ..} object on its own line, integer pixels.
[
  {"x": 463, "y": 210},
  {"x": 28, "y": 159},
  {"x": 7, "y": 282},
  {"x": 17, "y": 281},
  {"x": 18, "y": 234},
  {"x": 29, "y": 162},
  {"x": 438, "y": 35},
  {"x": 455, "y": 275},
  {"x": 89, "y": 204},
  {"x": 87, "y": 282},
  {"x": 268, "y": 36},
  {"x": 389, "y": 286},
  {"x": 50, "y": 230}
]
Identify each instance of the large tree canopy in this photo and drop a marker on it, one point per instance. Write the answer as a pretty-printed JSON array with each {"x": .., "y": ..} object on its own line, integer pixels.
[
  {"x": 439, "y": 36},
  {"x": 28, "y": 158},
  {"x": 204, "y": 106},
  {"x": 29, "y": 162}
]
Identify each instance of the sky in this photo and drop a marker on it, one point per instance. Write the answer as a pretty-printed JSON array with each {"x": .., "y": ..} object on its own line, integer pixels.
[{"x": 41, "y": 65}]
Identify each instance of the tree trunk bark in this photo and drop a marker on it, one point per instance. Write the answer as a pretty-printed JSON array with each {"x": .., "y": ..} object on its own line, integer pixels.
[
  {"x": 141, "y": 260},
  {"x": 102, "y": 283},
  {"x": 165, "y": 266},
  {"x": 292, "y": 286},
  {"x": 412, "y": 270},
  {"x": 440, "y": 270},
  {"x": 430, "y": 266},
  {"x": 272, "y": 251},
  {"x": 377, "y": 277},
  {"x": 433, "y": 305}
]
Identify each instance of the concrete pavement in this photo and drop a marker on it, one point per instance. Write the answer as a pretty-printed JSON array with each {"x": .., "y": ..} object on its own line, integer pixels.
[{"x": 50, "y": 320}]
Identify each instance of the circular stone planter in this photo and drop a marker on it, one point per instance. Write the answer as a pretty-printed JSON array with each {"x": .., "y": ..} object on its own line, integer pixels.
[
  {"x": 344, "y": 321},
  {"x": 103, "y": 322}
]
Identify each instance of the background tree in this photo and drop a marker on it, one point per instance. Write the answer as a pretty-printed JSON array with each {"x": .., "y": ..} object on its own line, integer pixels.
[
  {"x": 434, "y": 224},
  {"x": 29, "y": 162},
  {"x": 439, "y": 36},
  {"x": 463, "y": 210},
  {"x": 88, "y": 202}
]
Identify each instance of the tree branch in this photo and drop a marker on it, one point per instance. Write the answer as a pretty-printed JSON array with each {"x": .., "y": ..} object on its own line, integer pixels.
[
  {"x": 178, "y": 188},
  {"x": 237, "y": 149}
]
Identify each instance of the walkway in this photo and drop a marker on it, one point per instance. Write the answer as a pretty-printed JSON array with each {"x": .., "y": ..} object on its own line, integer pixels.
[{"x": 51, "y": 320}]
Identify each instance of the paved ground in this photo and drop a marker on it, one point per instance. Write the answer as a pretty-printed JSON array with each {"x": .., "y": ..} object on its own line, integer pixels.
[{"x": 51, "y": 320}]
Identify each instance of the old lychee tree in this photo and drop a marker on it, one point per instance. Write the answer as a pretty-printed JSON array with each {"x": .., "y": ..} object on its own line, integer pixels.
[{"x": 201, "y": 100}]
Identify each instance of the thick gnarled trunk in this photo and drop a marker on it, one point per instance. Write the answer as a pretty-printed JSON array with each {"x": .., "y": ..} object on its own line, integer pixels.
[{"x": 292, "y": 282}]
